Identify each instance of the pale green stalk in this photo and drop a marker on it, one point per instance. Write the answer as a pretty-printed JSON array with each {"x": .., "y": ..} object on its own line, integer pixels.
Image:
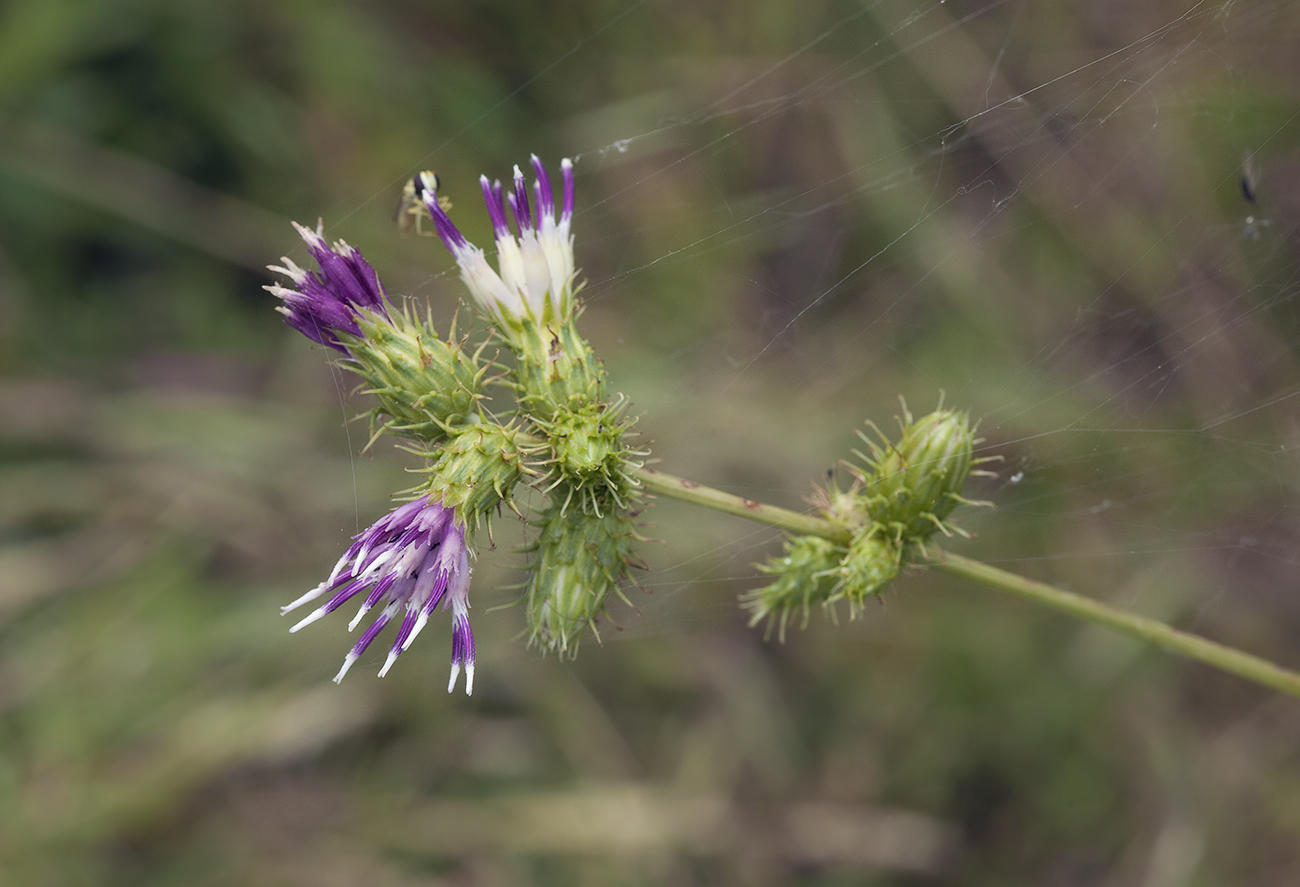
[{"x": 1244, "y": 665}]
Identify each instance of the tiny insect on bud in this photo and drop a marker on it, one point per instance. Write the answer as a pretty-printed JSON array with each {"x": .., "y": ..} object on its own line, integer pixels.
[{"x": 412, "y": 212}]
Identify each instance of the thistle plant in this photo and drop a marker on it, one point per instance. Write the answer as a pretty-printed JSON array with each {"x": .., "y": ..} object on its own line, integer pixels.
[{"x": 568, "y": 438}]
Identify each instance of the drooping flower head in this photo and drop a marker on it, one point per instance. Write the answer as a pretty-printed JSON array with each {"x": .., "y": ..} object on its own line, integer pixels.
[
  {"x": 321, "y": 305},
  {"x": 535, "y": 260},
  {"x": 422, "y": 383},
  {"x": 412, "y": 558}
]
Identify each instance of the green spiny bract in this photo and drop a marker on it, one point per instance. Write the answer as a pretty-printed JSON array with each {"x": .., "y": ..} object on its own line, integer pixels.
[
  {"x": 475, "y": 469},
  {"x": 586, "y": 535},
  {"x": 587, "y": 443},
  {"x": 579, "y": 558},
  {"x": 590, "y": 456},
  {"x": 909, "y": 488},
  {"x": 423, "y": 384}
]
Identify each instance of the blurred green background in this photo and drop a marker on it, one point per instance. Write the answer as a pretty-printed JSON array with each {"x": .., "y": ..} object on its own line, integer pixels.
[{"x": 788, "y": 215}]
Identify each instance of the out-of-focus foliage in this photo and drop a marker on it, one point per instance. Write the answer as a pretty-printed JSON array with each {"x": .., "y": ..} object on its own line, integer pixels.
[{"x": 789, "y": 213}]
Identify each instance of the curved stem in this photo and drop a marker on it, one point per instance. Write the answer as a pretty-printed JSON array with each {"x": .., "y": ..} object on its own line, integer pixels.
[{"x": 1233, "y": 661}]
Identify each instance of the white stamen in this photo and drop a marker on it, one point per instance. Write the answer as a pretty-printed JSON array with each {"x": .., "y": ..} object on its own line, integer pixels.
[
  {"x": 289, "y": 270},
  {"x": 313, "y": 238},
  {"x": 316, "y": 614},
  {"x": 309, "y": 596},
  {"x": 415, "y": 629},
  {"x": 455, "y": 673},
  {"x": 365, "y": 608},
  {"x": 338, "y": 568},
  {"x": 469, "y": 679},
  {"x": 383, "y": 561},
  {"x": 280, "y": 292},
  {"x": 347, "y": 663},
  {"x": 388, "y": 663},
  {"x": 487, "y": 287}
]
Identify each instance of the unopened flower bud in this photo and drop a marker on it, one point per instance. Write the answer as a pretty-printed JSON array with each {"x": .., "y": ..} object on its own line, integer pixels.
[
  {"x": 813, "y": 570},
  {"x": 804, "y": 576},
  {"x": 870, "y": 564},
  {"x": 913, "y": 485},
  {"x": 589, "y": 453},
  {"x": 475, "y": 469},
  {"x": 579, "y": 559}
]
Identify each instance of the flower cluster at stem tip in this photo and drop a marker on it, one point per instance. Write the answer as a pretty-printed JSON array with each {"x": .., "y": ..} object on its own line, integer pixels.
[{"x": 565, "y": 436}]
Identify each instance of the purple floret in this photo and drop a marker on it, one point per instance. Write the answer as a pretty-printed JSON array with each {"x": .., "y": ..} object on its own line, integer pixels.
[
  {"x": 320, "y": 305},
  {"x": 413, "y": 558}
]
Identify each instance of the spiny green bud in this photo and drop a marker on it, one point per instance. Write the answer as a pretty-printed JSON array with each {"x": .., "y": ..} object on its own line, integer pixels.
[
  {"x": 555, "y": 370},
  {"x": 843, "y": 508},
  {"x": 422, "y": 383},
  {"x": 589, "y": 453},
  {"x": 804, "y": 576},
  {"x": 587, "y": 445},
  {"x": 579, "y": 559},
  {"x": 560, "y": 388},
  {"x": 813, "y": 570},
  {"x": 474, "y": 469},
  {"x": 913, "y": 485},
  {"x": 870, "y": 564}
]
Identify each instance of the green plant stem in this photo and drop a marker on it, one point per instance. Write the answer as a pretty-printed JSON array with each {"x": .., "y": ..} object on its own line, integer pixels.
[
  {"x": 1233, "y": 661},
  {"x": 689, "y": 491}
]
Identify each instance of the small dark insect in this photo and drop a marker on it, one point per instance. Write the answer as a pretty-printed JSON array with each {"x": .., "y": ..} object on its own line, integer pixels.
[
  {"x": 1249, "y": 180},
  {"x": 411, "y": 211},
  {"x": 1250, "y": 191}
]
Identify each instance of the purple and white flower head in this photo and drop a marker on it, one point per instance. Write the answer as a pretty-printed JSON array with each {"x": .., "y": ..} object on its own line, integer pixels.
[
  {"x": 535, "y": 276},
  {"x": 321, "y": 305},
  {"x": 411, "y": 559}
]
